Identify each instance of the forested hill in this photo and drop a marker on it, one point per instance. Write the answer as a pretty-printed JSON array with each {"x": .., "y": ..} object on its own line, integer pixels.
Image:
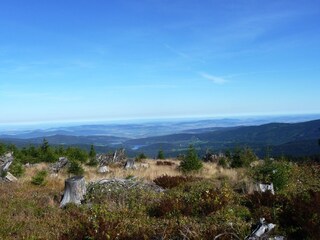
[
  {"x": 281, "y": 136},
  {"x": 272, "y": 133},
  {"x": 297, "y": 139}
]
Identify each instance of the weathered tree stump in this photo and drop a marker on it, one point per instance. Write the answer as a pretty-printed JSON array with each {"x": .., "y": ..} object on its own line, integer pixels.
[
  {"x": 262, "y": 230},
  {"x": 5, "y": 162},
  {"x": 130, "y": 164},
  {"x": 74, "y": 190}
]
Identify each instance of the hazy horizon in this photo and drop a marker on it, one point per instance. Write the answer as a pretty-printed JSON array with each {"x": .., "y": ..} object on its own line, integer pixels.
[
  {"x": 268, "y": 118},
  {"x": 70, "y": 61}
]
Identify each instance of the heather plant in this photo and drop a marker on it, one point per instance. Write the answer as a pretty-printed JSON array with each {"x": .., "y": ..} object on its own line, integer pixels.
[
  {"x": 165, "y": 163},
  {"x": 169, "y": 182},
  {"x": 300, "y": 216},
  {"x": 194, "y": 199}
]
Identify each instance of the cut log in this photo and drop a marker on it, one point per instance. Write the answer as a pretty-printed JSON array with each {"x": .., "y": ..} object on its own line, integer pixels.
[
  {"x": 74, "y": 190},
  {"x": 10, "y": 178}
]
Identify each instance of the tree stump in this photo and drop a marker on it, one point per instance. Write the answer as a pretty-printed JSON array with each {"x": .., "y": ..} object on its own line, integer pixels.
[
  {"x": 74, "y": 190},
  {"x": 5, "y": 162},
  {"x": 130, "y": 164}
]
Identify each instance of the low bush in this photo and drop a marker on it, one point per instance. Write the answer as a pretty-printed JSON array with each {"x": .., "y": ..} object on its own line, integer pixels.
[
  {"x": 40, "y": 178},
  {"x": 193, "y": 199},
  {"x": 166, "y": 181},
  {"x": 242, "y": 157},
  {"x": 301, "y": 216},
  {"x": 92, "y": 162},
  {"x": 140, "y": 157},
  {"x": 75, "y": 168},
  {"x": 17, "y": 169},
  {"x": 224, "y": 162},
  {"x": 165, "y": 163},
  {"x": 277, "y": 172}
]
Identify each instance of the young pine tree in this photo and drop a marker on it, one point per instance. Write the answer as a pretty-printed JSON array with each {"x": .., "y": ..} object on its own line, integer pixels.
[
  {"x": 191, "y": 161},
  {"x": 160, "y": 155},
  {"x": 92, "y": 157}
]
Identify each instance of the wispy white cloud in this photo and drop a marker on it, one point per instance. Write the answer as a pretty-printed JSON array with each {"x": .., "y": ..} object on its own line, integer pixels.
[
  {"x": 183, "y": 54},
  {"x": 214, "y": 79}
]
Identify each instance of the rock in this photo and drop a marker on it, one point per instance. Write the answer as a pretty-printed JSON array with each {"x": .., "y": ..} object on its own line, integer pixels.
[
  {"x": 278, "y": 238},
  {"x": 103, "y": 169},
  {"x": 121, "y": 183},
  {"x": 61, "y": 163},
  {"x": 214, "y": 158},
  {"x": 265, "y": 187},
  {"x": 144, "y": 165}
]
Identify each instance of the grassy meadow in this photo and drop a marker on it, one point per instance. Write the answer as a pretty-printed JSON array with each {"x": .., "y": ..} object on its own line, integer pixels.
[{"x": 214, "y": 201}]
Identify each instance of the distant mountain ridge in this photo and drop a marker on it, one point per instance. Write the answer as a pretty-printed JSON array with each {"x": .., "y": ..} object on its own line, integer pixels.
[
  {"x": 284, "y": 138},
  {"x": 279, "y": 136}
]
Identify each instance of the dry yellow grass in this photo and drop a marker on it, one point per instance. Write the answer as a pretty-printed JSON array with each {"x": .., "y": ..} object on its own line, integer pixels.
[
  {"x": 150, "y": 173},
  {"x": 210, "y": 170}
]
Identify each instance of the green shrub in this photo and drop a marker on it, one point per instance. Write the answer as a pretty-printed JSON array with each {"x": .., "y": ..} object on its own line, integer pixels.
[
  {"x": 242, "y": 158},
  {"x": 75, "y": 168},
  {"x": 40, "y": 178},
  {"x": 223, "y": 162},
  {"x": 92, "y": 162},
  {"x": 77, "y": 154},
  {"x": 2, "y": 149},
  {"x": 49, "y": 156},
  {"x": 92, "y": 157},
  {"x": 140, "y": 157},
  {"x": 160, "y": 155},
  {"x": 276, "y": 172},
  {"x": 191, "y": 162},
  {"x": 17, "y": 169}
]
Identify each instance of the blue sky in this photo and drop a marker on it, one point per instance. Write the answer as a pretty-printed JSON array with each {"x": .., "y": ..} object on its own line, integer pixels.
[{"x": 73, "y": 60}]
